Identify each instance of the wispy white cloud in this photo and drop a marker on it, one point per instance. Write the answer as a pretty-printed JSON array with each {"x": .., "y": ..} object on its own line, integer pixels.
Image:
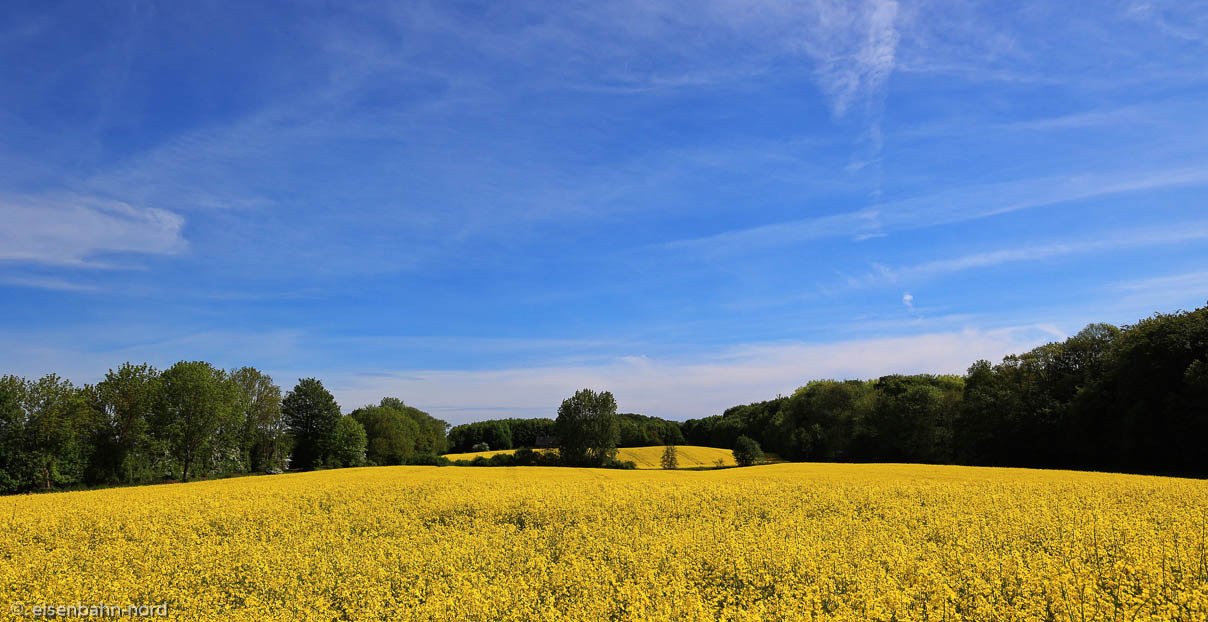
[
  {"x": 73, "y": 230},
  {"x": 956, "y": 205},
  {"x": 1085, "y": 119},
  {"x": 853, "y": 46},
  {"x": 849, "y": 49},
  {"x": 854, "y": 49},
  {"x": 1167, "y": 117},
  {"x": 46, "y": 283},
  {"x": 1191, "y": 281},
  {"x": 1189, "y": 289},
  {"x": 1183, "y": 20},
  {"x": 865, "y": 223},
  {"x": 1117, "y": 240}
]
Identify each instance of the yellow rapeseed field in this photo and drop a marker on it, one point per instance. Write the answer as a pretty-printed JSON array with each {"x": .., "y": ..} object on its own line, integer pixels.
[
  {"x": 775, "y": 542},
  {"x": 689, "y": 456},
  {"x": 470, "y": 455}
]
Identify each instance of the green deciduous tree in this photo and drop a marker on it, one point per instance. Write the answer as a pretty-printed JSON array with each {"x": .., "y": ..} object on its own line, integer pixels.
[
  {"x": 264, "y": 443},
  {"x": 747, "y": 451},
  {"x": 311, "y": 415},
  {"x": 58, "y": 428},
  {"x": 588, "y": 430},
  {"x": 430, "y": 436},
  {"x": 391, "y": 434},
  {"x": 670, "y": 458},
  {"x": 126, "y": 448},
  {"x": 914, "y": 415},
  {"x": 198, "y": 417},
  {"x": 1146, "y": 407},
  {"x": 348, "y": 443},
  {"x": 14, "y": 463},
  {"x": 825, "y": 420}
]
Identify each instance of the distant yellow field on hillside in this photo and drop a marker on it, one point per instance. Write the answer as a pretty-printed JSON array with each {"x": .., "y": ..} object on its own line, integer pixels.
[
  {"x": 690, "y": 456},
  {"x": 470, "y": 455},
  {"x": 776, "y": 542}
]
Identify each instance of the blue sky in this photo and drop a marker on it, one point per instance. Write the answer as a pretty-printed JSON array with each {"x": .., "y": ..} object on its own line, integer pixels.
[{"x": 481, "y": 208}]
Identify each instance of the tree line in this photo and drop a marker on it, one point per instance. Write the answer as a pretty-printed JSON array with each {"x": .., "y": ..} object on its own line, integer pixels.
[
  {"x": 633, "y": 430},
  {"x": 1131, "y": 398},
  {"x": 499, "y": 434},
  {"x": 141, "y": 425}
]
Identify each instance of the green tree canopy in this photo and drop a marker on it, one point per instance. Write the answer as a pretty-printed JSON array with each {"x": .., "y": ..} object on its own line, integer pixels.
[
  {"x": 311, "y": 415},
  {"x": 588, "y": 430},
  {"x": 13, "y": 460},
  {"x": 391, "y": 435},
  {"x": 198, "y": 415},
  {"x": 348, "y": 443},
  {"x": 747, "y": 451},
  {"x": 263, "y": 441},
  {"x": 127, "y": 448},
  {"x": 430, "y": 437},
  {"x": 49, "y": 427}
]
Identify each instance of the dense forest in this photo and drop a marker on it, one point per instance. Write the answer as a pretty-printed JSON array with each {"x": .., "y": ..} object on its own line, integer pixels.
[{"x": 1131, "y": 398}]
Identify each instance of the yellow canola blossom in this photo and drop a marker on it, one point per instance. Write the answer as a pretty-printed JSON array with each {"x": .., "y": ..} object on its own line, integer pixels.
[{"x": 775, "y": 542}]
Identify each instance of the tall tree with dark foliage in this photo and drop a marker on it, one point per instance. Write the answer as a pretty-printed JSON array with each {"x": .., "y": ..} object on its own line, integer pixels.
[{"x": 311, "y": 415}]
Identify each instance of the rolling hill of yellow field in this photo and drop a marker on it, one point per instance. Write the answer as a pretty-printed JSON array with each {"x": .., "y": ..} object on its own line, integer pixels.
[
  {"x": 690, "y": 456},
  {"x": 470, "y": 455}
]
